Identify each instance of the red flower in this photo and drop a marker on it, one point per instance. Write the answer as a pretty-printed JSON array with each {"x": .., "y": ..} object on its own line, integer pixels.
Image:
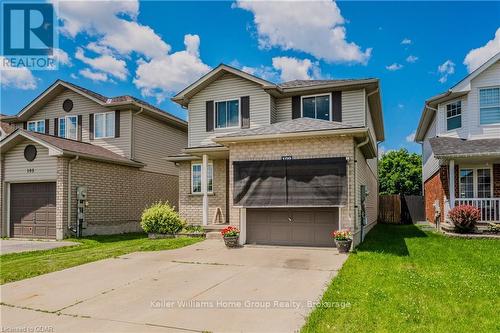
[{"x": 230, "y": 231}]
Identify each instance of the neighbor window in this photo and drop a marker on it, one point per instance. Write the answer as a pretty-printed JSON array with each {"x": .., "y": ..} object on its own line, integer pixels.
[
  {"x": 227, "y": 114},
  {"x": 489, "y": 106},
  {"x": 104, "y": 125},
  {"x": 317, "y": 107},
  {"x": 196, "y": 178},
  {"x": 475, "y": 183},
  {"x": 68, "y": 127},
  {"x": 454, "y": 115},
  {"x": 36, "y": 126}
]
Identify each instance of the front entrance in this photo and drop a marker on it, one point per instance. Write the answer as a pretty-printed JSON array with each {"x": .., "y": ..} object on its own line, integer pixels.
[
  {"x": 33, "y": 210},
  {"x": 291, "y": 226}
]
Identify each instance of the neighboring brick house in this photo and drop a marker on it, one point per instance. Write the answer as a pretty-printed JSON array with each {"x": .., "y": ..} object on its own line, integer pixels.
[
  {"x": 70, "y": 139},
  {"x": 286, "y": 163},
  {"x": 460, "y": 135}
]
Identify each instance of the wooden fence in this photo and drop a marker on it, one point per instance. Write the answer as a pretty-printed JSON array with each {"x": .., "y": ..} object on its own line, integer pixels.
[{"x": 401, "y": 209}]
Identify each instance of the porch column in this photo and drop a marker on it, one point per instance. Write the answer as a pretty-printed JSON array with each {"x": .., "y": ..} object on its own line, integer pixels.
[
  {"x": 204, "y": 188},
  {"x": 451, "y": 180}
]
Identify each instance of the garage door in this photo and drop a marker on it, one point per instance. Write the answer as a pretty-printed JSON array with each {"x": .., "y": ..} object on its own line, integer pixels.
[
  {"x": 33, "y": 210},
  {"x": 294, "y": 226}
]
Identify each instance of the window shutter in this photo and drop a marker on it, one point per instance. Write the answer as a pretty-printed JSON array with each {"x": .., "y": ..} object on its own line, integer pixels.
[
  {"x": 47, "y": 124},
  {"x": 79, "y": 135},
  {"x": 117, "y": 124},
  {"x": 295, "y": 107},
  {"x": 209, "y": 116},
  {"x": 337, "y": 106},
  {"x": 91, "y": 126},
  {"x": 25, "y": 125},
  {"x": 245, "y": 112},
  {"x": 56, "y": 126}
]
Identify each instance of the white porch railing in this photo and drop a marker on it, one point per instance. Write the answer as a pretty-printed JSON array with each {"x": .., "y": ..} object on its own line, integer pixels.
[{"x": 489, "y": 208}]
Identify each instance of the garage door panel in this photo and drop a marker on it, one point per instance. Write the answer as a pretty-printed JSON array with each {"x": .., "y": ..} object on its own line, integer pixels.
[
  {"x": 279, "y": 232},
  {"x": 302, "y": 234}
]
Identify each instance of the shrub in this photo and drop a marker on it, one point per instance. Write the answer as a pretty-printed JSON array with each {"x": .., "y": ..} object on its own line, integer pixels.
[
  {"x": 161, "y": 218},
  {"x": 194, "y": 229},
  {"x": 464, "y": 217},
  {"x": 230, "y": 232},
  {"x": 494, "y": 227}
]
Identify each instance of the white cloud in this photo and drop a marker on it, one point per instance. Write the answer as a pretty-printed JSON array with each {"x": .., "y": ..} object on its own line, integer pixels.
[
  {"x": 296, "y": 69},
  {"x": 410, "y": 137},
  {"x": 477, "y": 57},
  {"x": 61, "y": 57},
  {"x": 394, "y": 67},
  {"x": 411, "y": 59},
  {"x": 265, "y": 72},
  {"x": 16, "y": 77},
  {"x": 171, "y": 72},
  {"x": 94, "y": 76},
  {"x": 406, "y": 41},
  {"x": 445, "y": 69},
  {"x": 381, "y": 151},
  {"x": 104, "y": 63},
  {"x": 315, "y": 27},
  {"x": 401, "y": 106}
]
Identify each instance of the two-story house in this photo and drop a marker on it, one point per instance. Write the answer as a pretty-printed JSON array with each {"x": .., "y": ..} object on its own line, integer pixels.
[
  {"x": 82, "y": 163},
  {"x": 286, "y": 163},
  {"x": 460, "y": 135}
]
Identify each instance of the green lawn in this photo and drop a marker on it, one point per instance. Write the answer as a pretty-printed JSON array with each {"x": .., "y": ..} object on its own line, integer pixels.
[
  {"x": 18, "y": 266},
  {"x": 402, "y": 279}
]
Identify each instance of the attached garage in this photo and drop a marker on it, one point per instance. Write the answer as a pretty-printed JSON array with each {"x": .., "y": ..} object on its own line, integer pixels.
[
  {"x": 296, "y": 226},
  {"x": 33, "y": 210}
]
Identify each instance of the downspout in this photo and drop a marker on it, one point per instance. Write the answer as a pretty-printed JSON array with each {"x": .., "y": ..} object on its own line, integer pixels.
[
  {"x": 359, "y": 145},
  {"x": 69, "y": 196}
]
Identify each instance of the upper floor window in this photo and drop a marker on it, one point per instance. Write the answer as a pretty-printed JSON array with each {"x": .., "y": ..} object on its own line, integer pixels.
[
  {"x": 196, "y": 177},
  {"x": 489, "y": 105},
  {"x": 68, "y": 127},
  {"x": 227, "y": 114},
  {"x": 454, "y": 115},
  {"x": 104, "y": 125},
  {"x": 36, "y": 126},
  {"x": 317, "y": 107}
]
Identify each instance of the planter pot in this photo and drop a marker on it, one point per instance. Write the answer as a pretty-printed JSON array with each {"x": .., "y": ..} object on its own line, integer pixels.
[
  {"x": 159, "y": 236},
  {"x": 343, "y": 245},
  {"x": 231, "y": 241}
]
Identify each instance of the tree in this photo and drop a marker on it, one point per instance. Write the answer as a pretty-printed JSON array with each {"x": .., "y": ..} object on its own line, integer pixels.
[{"x": 400, "y": 172}]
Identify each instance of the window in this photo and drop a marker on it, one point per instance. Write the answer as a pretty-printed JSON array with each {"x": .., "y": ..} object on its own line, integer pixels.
[
  {"x": 317, "y": 107},
  {"x": 227, "y": 114},
  {"x": 104, "y": 125},
  {"x": 196, "y": 178},
  {"x": 68, "y": 127},
  {"x": 454, "y": 115},
  {"x": 489, "y": 106},
  {"x": 475, "y": 183},
  {"x": 36, "y": 126}
]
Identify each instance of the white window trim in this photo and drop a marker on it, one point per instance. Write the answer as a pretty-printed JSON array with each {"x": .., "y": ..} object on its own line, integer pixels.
[
  {"x": 114, "y": 127},
  {"x": 66, "y": 127},
  {"x": 201, "y": 166},
  {"x": 479, "y": 106},
  {"x": 36, "y": 122},
  {"x": 317, "y": 95},
  {"x": 239, "y": 113},
  {"x": 475, "y": 180},
  {"x": 446, "y": 114}
]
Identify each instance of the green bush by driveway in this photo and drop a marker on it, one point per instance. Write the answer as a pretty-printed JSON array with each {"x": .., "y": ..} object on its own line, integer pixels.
[
  {"x": 402, "y": 279},
  {"x": 18, "y": 266}
]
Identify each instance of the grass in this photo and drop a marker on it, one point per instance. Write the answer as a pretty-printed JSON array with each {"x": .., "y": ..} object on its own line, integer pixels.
[
  {"x": 18, "y": 266},
  {"x": 402, "y": 279}
]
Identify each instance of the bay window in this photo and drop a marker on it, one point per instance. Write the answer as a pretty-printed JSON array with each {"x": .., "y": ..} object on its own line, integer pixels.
[
  {"x": 489, "y": 105},
  {"x": 104, "y": 125},
  {"x": 196, "y": 177},
  {"x": 36, "y": 126},
  {"x": 227, "y": 113},
  {"x": 317, "y": 107}
]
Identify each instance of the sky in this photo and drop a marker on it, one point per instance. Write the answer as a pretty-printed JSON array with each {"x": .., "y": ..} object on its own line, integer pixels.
[{"x": 154, "y": 49}]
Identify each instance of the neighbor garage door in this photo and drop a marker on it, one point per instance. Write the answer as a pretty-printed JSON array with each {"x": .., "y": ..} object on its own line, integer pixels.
[
  {"x": 33, "y": 210},
  {"x": 292, "y": 226}
]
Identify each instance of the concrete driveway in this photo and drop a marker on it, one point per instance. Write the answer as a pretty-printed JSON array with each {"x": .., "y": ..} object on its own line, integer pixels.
[
  {"x": 22, "y": 245},
  {"x": 203, "y": 287}
]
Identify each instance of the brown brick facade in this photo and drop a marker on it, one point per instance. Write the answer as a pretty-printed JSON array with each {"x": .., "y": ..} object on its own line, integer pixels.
[
  {"x": 434, "y": 191},
  {"x": 496, "y": 180}
]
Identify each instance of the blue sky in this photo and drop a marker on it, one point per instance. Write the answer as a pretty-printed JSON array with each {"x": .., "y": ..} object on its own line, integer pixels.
[{"x": 153, "y": 49}]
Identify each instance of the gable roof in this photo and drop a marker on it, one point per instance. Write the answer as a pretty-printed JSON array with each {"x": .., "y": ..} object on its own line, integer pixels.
[
  {"x": 110, "y": 102},
  {"x": 6, "y": 128},
  {"x": 455, "y": 147},
  {"x": 65, "y": 147},
  {"x": 460, "y": 89}
]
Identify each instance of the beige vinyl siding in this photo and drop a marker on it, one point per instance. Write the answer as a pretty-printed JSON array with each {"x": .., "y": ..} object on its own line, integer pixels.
[
  {"x": 353, "y": 107},
  {"x": 16, "y": 166},
  {"x": 227, "y": 87},
  {"x": 283, "y": 109},
  {"x": 153, "y": 141},
  {"x": 274, "y": 112},
  {"x": 366, "y": 176},
  {"x": 85, "y": 106}
]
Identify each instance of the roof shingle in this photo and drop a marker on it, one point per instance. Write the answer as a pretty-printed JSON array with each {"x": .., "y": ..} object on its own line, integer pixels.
[
  {"x": 445, "y": 146},
  {"x": 312, "y": 83}
]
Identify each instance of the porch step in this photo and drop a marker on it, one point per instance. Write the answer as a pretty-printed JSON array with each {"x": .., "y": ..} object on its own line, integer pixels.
[
  {"x": 215, "y": 227},
  {"x": 213, "y": 235}
]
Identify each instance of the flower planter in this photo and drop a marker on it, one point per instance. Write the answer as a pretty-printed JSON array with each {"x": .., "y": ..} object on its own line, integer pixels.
[
  {"x": 343, "y": 245},
  {"x": 231, "y": 241}
]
